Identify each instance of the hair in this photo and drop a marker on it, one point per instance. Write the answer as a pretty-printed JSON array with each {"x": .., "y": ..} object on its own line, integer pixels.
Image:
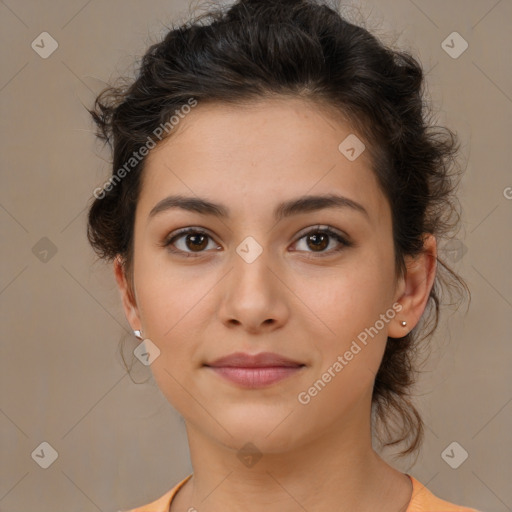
[{"x": 262, "y": 49}]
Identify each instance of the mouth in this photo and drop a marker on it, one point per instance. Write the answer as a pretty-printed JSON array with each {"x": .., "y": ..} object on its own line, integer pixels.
[
  {"x": 253, "y": 378},
  {"x": 255, "y": 371}
]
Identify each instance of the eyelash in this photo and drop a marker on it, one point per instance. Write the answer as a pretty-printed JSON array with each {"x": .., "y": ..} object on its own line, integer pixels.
[{"x": 168, "y": 242}]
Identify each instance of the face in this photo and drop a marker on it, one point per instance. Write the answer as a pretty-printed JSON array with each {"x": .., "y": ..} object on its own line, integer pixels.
[{"x": 307, "y": 281}]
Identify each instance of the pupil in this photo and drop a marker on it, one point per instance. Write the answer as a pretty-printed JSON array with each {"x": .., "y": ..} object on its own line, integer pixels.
[
  {"x": 322, "y": 244},
  {"x": 193, "y": 239}
]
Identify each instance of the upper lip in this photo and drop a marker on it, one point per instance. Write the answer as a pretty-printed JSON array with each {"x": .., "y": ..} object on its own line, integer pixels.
[{"x": 261, "y": 360}]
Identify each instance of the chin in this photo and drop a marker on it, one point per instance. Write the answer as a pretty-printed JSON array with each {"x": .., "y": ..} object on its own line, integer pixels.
[{"x": 266, "y": 430}]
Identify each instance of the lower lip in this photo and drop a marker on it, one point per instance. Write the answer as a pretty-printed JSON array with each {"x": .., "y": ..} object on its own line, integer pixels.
[{"x": 256, "y": 377}]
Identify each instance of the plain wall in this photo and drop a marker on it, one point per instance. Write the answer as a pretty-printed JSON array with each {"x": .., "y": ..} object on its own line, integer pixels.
[{"x": 121, "y": 444}]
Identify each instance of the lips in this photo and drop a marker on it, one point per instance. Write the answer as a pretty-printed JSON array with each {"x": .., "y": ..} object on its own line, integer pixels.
[
  {"x": 261, "y": 360},
  {"x": 255, "y": 371}
]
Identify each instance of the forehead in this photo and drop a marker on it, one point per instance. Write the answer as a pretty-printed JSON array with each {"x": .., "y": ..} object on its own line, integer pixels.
[{"x": 256, "y": 152}]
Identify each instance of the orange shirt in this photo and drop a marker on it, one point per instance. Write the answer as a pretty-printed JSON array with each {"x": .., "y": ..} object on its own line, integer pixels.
[{"x": 422, "y": 501}]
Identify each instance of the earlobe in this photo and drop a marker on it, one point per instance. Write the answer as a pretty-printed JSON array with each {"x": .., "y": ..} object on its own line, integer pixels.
[
  {"x": 127, "y": 296},
  {"x": 417, "y": 284}
]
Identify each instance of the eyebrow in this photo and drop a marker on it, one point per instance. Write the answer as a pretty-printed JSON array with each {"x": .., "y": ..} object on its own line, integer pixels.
[{"x": 304, "y": 204}]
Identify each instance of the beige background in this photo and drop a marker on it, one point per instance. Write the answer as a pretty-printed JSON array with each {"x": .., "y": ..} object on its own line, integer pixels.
[{"x": 62, "y": 381}]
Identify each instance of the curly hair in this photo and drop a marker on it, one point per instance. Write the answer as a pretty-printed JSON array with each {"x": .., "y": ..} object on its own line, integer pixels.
[{"x": 258, "y": 49}]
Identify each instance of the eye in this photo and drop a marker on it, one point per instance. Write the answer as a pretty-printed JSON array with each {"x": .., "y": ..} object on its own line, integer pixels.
[
  {"x": 193, "y": 239},
  {"x": 191, "y": 242},
  {"x": 319, "y": 239}
]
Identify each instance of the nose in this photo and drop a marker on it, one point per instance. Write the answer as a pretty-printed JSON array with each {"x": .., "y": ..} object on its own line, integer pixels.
[{"x": 254, "y": 297}]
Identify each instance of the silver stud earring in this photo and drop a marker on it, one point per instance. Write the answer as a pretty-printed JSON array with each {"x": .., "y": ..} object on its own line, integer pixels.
[
  {"x": 404, "y": 323},
  {"x": 138, "y": 334}
]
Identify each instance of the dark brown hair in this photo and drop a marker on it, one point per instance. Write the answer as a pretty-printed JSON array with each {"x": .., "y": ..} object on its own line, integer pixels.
[{"x": 257, "y": 49}]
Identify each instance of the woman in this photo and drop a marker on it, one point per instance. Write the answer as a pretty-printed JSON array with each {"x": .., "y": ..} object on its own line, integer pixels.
[{"x": 273, "y": 215}]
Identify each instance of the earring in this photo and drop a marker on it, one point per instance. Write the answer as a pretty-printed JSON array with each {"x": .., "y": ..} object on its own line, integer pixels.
[
  {"x": 138, "y": 334},
  {"x": 404, "y": 323}
]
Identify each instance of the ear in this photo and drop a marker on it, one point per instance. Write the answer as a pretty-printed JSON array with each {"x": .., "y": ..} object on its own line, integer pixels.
[
  {"x": 414, "y": 288},
  {"x": 127, "y": 296}
]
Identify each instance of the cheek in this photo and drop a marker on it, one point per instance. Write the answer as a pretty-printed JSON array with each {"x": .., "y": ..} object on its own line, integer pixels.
[
  {"x": 168, "y": 295},
  {"x": 351, "y": 299},
  {"x": 350, "y": 351},
  {"x": 348, "y": 305},
  {"x": 171, "y": 304}
]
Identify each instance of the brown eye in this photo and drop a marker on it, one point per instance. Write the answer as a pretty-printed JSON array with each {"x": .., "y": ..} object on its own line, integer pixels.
[
  {"x": 196, "y": 242},
  {"x": 188, "y": 241},
  {"x": 318, "y": 241}
]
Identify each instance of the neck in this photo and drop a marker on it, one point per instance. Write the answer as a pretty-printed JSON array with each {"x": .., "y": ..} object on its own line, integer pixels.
[{"x": 337, "y": 468}]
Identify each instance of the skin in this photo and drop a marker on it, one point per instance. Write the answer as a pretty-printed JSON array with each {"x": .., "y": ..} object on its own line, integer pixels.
[{"x": 291, "y": 300}]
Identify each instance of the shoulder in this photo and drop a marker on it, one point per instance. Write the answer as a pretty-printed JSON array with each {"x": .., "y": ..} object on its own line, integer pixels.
[
  {"x": 423, "y": 500},
  {"x": 163, "y": 503}
]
